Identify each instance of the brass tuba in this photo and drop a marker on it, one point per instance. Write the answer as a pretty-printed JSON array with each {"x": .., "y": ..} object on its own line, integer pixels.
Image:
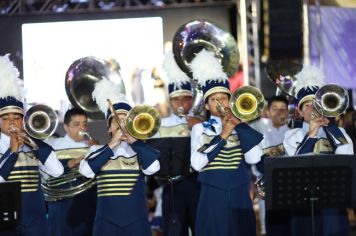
[
  {"x": 282, "y": 74},
  {"x": 247, "y": 103},
  {"x": 331, "y": 100},
  {"x": 81, "y": 78},
  {"x": 196, "y": 35}
]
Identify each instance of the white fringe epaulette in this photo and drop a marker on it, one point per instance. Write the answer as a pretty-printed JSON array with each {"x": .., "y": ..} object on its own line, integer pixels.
[
  {"x": 206, "y": 66},
  {"x": 174, "y": 73},
  {"x": 309, "y": 76},
  {"x": 106, "y": 89},
  {"x": 9, "y": 76}
]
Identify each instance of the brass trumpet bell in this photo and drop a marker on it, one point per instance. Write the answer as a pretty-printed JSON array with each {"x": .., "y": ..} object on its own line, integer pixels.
[
  {"x": 196, "y": 35},
  {"x": 331, "y": 100},
  {"x": 143, "y": 121},
  {"x": 247, "y": 103},
  {"x": 40, "y": 121}
]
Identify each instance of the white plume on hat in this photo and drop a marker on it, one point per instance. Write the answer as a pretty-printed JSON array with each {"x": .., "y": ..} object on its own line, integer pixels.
[
  {"x": 9, "y": 76},
  {"x": 207, "y": 67},
  {"x": 106, "y": 89},
  {"x": 174, "y": 73},
  {"x": 309, "y": 76}
]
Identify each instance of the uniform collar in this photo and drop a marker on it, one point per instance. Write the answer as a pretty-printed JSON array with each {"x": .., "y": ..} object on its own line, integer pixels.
[{"x": 69, "y": 139}]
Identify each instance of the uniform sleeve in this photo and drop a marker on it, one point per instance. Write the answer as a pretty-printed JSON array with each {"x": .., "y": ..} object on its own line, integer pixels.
[
  {"x": 7, "y": 162},
  {"x": 202, "y": 154},
  {"x": 249, "y": 138},
  {"x": 48, "y": 161},
  {"x": 147, "y": 156},
  {"x": 292, "y": 140},
  {"x": 348, "y": 148},
  {"x": 254, "y": 155},
  {"x": 94, "y": 160}
]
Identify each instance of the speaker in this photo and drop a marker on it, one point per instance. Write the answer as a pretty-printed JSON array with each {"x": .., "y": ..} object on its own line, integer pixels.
[{"x": 283, "y": 34}]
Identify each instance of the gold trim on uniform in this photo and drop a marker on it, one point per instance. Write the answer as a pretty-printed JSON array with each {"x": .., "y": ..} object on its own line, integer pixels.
[
  {"x": 180, "y": 130},
  {"x": 26, "y": 159},
  {"x": 117, "y": 175},
  {"x": 229, "y": 157},
  {"x": 72, "y": 153},
  {"x": 218, "y": 167},
  {"x": 122, "y": 163},
  {"x": 323, "y": 146},
  {"x": 112, "y": 194}
]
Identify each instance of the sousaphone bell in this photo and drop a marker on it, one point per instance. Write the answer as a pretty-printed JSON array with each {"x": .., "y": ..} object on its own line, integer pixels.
[{"x": 81, "y": 78}]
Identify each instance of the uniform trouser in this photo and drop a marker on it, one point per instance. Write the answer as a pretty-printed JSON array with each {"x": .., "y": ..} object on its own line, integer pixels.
[
  {"x": 37, "y": 228},
  {"x": 138, "y": 228},
  {"x": 225, "y": 212},
  {"x": 73, "y": 216},
  {"x": 185, "y": 199}
]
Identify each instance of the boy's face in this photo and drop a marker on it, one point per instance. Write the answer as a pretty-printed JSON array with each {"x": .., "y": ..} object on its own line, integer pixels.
[
  {"x": 278, "y": 113},
  {"x": 213, "y": 102},
  {"x": 77, "y": 123},
  {"x": 9, "y": 120},
  {"x": 181, "y": 105}
]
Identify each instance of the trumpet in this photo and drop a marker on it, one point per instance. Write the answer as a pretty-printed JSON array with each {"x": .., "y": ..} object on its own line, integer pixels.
[
  {"x": 180, "y": 112},
  {"x": 25, "y": 137},
  {"x": 330, "y": 100},
  {"x": 39, "y": 122},
  {"x": 142, "y": 121},
  {"x": 220, "y": 107},
  {"x": 85, "y": 134},
  {"x": 246, "y": 103}
]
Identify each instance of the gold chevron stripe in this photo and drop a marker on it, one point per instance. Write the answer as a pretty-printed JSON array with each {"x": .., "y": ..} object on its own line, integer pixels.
[
  {"x": 230, "y": 155},
  {"x": 24, "y": 171},
  {"x": 224, "y": 163},
  {"x": 113, "y": 189},
  {"x": 25, "y": 180},
  {"x": 29, "y": 185},
  {"x": 117, "y": 175},
  {"x": 232, "y": 150},
  {"x": 115, "y": 185},
  {"x": 29, "y": 190},
  {"x": 113, "y": 194},
  {"x": 219, "y": 167},
  {"x": 23, "y": 177},
  {"x": 224, "y": 159},
  {"x": 116, "y": 180}
]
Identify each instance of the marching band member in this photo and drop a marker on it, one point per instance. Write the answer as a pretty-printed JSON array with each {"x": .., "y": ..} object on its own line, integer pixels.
[
  {"x": 317, "y": 136},
  {"x": 185, "y": 189},
  {"x": 19, "y": 161},
  {"x": 120, "y": 167},
  {"x": 272, "y": 145},
  {"x": 222, "y": 149},
  {"x": 72, "y": 215}
]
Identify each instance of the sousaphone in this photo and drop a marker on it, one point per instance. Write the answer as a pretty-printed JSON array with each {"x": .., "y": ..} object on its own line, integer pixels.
[{"x": 81, "y": 78}]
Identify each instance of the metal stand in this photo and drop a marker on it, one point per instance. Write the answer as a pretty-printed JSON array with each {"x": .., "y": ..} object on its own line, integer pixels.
[
  {"x": 310, "y": 182},
  {"x": 10, "y": 204}
]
